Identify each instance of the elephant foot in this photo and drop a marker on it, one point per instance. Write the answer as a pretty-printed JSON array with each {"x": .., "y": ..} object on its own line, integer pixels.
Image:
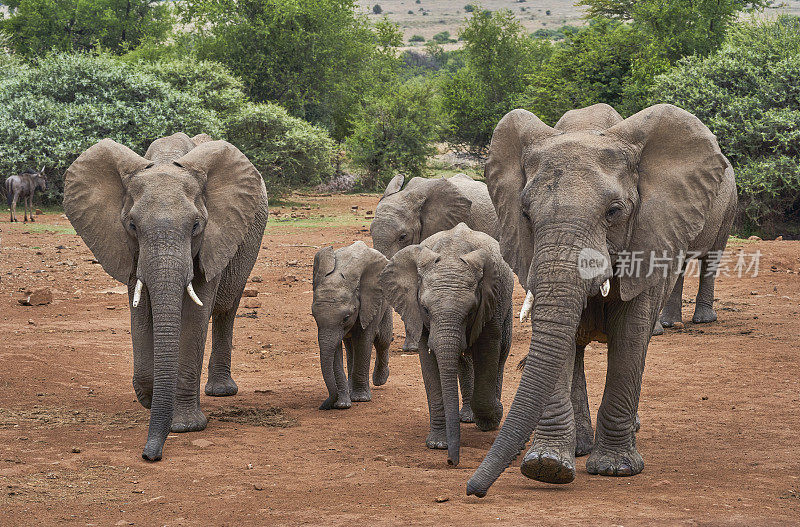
[
  {"x": 466, "y": 415},
  {"x": 658, "y": 329},
  {"x": 221, "y": 387},
  {"x": 339, "y": 403},
  {"x": 549, "y": 463},
  {"x": 380, "y": 376},
  {"x": 704, "y": 314},
  {"x": 361, "y": 396},
  {"x": 584, "y": 442},
  {"x": 437, "y": 440},
  {"x": 153, "y": 450},
  {"x": 409, "y": 346},
  {"x": 607, "y": 462},
  {"x": 192, "y": 420},
  {"x": 669, "y": 320}
]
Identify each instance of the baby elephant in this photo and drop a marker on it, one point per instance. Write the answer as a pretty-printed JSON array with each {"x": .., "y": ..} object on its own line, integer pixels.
[
  {"x": 349, "y": 306},
  {"x": 453, "y": 292}
]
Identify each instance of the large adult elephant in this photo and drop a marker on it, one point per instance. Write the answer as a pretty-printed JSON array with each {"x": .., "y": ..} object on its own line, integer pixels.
[
  {"x": 574, "y": 206},
  {"x": 182, "y": 227}
]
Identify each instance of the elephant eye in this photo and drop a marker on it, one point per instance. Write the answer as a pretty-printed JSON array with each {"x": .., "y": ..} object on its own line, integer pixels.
[
  {"x": 403, "y": 236},
  {"x": 132, "y": 226},
  {"x": 613, "y": 212},
  {"x": 195, "y": 228},
  {"x": 347, "y": 317}
]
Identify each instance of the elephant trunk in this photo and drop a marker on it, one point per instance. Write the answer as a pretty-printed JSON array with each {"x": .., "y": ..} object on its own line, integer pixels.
[
  {"x": 447, "y": 344},
  {"x": 166, "y": 280},
  {"x": 560, "y": 296},
  {"x": 330, "y": 342}
]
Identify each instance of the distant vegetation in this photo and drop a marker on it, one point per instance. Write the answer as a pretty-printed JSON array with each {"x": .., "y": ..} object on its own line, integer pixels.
[{"x": 307, "y": 89}]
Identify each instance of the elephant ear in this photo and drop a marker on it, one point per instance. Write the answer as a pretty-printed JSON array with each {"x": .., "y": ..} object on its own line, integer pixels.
[
  {"x": 324, "y": 264},
  {"x": 484, "y": 267},
  {"x": 94, "y": 195},
  {"x": 505, "y": 177},
  {"x": 394, "y": 186},
  {"x": 370, "y": 291},
  {"x": 596, "y": 118},
  {"x": 234, "y": 195},
  {"x": 680, "y": 168},
  {"x": 400, "y": 283},
  {"x": 442, "y": 206}
]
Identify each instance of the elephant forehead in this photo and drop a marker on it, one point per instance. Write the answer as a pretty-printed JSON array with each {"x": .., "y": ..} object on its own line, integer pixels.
[
  {"x": 164, "y": 180},
  {"x": 334, "y": 290},
  {"x": 581, "y": 150}
]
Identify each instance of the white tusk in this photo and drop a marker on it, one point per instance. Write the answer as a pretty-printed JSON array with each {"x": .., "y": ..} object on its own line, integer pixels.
[
  {"x": 605, "y": 288},
  {"x": 525, "y": 312},
  {"x": 137, "y": 293},
  {"x": 193, "y": 295}
]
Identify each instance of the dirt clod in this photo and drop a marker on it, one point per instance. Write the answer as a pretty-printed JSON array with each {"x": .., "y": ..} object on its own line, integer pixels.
[{"x": 37, "y": 297}]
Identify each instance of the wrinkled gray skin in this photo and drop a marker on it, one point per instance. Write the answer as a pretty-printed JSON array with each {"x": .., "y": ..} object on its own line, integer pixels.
[
  {"x": 407, "y": 216},
  {"x": 645, "y": 184},
  {"x": 22, "y": 186},
  {"x": 349, "y": 307},
  {"x": 182, "y": 215},
  {"x": 455, "y": 290}
]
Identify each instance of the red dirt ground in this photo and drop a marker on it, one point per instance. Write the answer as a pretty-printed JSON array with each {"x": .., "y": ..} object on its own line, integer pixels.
[{"x": 719, "y": 409}]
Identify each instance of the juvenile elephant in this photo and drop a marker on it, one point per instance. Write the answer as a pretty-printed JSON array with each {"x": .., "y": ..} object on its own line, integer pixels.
[
  {"x": 349, "y": 306},
  {"x": 182, "y": 228},
  {"x": 573, "y": 207},
  {"x": 453, "y": 291}
]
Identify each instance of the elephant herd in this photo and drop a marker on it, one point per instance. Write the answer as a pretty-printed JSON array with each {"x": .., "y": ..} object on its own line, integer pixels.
[{"x": 566, "y": 209}]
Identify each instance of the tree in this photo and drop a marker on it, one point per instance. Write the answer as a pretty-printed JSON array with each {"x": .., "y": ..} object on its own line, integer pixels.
[
  {"x": 394, "y": 132},
  {"x": 748, "y": 94},
  {"x": 683, "y": 27},
  {"x": 377, "y": 9},
  {"x": 39, "y": 26},
  {"x": 499, "y": 55},
  {"x": 315, "y": 58}
]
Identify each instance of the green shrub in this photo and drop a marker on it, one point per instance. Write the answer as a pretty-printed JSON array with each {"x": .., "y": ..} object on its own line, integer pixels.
[
  {"x": 55, "y": 108},
  {"x": 748, "y": 94},
  {"x": 443, "y": 37},
  {"x": 377, "y": 9},
  {"x": 417, "y": 38},
  {"x": 395, "y": 132},
  {"x": 288, "y": 151}
]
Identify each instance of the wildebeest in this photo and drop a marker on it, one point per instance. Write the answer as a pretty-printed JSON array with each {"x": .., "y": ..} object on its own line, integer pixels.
[{"x": 23, "y": 186}]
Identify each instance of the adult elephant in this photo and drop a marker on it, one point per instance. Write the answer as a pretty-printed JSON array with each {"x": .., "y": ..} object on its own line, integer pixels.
[
  {"x": 182, "y": 227},
  {"x": 574, "y": 206}
]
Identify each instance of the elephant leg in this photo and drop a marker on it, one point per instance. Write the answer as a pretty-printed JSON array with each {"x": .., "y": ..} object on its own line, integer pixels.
[
  {"x": 466, "y": 377},
  {"x": 671, "y": 314},
  {"x": 220, "y": 383},
  {"x": 551, "y": 458},
  {"x": 408, "y": 344},
  {"x": 187, "y": 416},
  {"x": 359, "y": 375},
  {"x": 704, "y": 302},
  {"x": 584, "y": 434},
  {"x": 142, "y": 337},
  {"x": 486, "y": 404},
  {"x": 614, "y": 452},
  {"x": 350, "y": 349},
  {"x": 383, "y": 338},
  {"x": 437, "y": 437},
  {"x": 342, "y": 395}
]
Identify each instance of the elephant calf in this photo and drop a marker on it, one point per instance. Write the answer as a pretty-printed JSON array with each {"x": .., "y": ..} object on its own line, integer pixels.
[
  {"x": 349, "y": 306},
  {"x": 453, "y": 292}
]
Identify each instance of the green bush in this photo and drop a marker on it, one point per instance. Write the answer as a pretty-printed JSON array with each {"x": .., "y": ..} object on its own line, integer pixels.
[
  {"x": 417, "y": 38},
  {"x": 55, "y": 108},
  {"x": 287, "y": 151},
  {"x": 748, "y": 94},
  {"x": 395, "y": 132}
]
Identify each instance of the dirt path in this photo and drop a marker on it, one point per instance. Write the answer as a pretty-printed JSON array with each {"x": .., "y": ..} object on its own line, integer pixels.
[{"x": 720, "y": 409}]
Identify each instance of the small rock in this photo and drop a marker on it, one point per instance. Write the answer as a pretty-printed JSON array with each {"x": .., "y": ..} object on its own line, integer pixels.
[
  {"x": 249, "y": 466},
  {"x": 202, "y": 443},
  {"x": 381, "y": 458},
  {"x": 111, "y": 308},
  {"x": 249, "y": 293},
  {"x": 705, "y": 398},
  {"x": 441, "y": 499},
  {"x": 76, "y": 450},
  {"x": 779, "y": 239},
  {"x": 662, "y": 483},
  {"x": 288, "y": 278},
  {"x": 754, "y": 293},
  {"x": 678, "y": 325},
  {"x": 292, "y": 263},
  {"x": 256, "y": 279},
  {"x": 31, "y": 322},
  {"x": 251, "y": 303},
  {"x": 37, "y": 297},
  {"x": 754, "y": 239},
  {"x": 258, "y": 486}
]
